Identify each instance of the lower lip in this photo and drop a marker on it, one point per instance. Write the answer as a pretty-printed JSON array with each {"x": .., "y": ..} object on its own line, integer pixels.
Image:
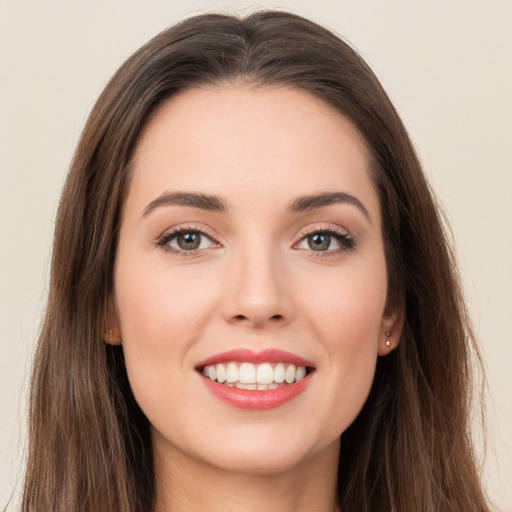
[{"x": 256, "y": 400}]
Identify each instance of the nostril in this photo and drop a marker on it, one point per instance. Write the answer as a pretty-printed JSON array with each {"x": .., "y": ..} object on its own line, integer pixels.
[{"x": 273, "y": 318}]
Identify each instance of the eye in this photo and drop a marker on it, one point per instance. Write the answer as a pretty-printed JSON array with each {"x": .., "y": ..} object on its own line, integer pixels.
[
  {"x": 326, "y": 240},
  {"x": 187, "y": 241},
  {"x": 184, "y": 240}
]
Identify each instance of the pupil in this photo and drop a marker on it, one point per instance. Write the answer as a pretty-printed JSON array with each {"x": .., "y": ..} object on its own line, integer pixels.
[
  {"x": 319, "y": 242},
  {"x": 189, "y": 241}
]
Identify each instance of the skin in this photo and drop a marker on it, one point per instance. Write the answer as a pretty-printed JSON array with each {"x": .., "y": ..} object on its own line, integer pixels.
[{"x": 254, "y": 283}]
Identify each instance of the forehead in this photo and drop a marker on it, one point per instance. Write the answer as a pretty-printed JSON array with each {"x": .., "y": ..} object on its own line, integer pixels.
[{"x": 234, "y": 140}]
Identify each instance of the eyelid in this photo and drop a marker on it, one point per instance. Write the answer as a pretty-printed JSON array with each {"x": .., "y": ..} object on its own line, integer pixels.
[
  {"x": 347, "y": 241},
  {"x": 344, "y": 238},
  {"x": 162, "y": 241},
  {"x": 318, "y": 228}
]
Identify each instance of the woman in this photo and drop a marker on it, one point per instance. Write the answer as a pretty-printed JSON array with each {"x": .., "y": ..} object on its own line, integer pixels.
[{"x": 253, "y": 304}]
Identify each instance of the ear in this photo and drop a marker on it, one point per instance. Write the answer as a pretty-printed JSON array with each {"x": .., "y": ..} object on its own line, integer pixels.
[
  {"x": 112, "y": 334},
  {"x": 391, "y": 329}
]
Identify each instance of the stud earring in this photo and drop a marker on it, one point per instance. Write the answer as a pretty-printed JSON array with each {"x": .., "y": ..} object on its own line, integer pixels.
[
  {"x": 388, "y": 341},
  {"x": 113, "y": 339}
]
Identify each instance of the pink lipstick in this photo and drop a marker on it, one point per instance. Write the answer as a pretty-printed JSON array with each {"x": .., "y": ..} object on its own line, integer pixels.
[
  {"x": 256, "y": 380},
  {"x": 270, "y": 355}
]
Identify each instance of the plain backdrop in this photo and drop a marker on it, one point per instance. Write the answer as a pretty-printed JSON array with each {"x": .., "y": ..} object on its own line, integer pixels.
[{"x": 446, "y": 64}]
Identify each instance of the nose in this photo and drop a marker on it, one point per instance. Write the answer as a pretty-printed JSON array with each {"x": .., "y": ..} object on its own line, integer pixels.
[{"x": 257, "y": 293}]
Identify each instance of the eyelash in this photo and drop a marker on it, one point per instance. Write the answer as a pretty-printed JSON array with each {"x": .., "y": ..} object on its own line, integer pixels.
[
  {"x": 163, "y": 241},
  {"x": 346, "y": 241}
]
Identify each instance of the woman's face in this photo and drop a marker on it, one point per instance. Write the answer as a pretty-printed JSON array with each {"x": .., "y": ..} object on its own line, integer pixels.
[{"x": 251, "y": 251}]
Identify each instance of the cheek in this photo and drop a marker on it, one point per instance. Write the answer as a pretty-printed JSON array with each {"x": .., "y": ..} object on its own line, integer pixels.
[
  {"x": 347, "y": 321},
  {"x": 156, "y": 305},
  {"x": 347, "y": 306},
  {"x": 161, "y": 315}
]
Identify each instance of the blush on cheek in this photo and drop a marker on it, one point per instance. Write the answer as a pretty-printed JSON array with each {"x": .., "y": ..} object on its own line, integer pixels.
[{"x": 348, "y": 319}]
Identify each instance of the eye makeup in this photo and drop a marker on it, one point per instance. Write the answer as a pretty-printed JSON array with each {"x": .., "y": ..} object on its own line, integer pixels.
[
  {"x": 186, "y": 241},
  {"x": 325, "y": 241},
  {"x": 321, "y": 241}
]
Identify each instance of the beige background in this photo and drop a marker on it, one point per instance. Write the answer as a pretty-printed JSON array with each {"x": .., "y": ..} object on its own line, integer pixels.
[{"x": 447, "y": 65}]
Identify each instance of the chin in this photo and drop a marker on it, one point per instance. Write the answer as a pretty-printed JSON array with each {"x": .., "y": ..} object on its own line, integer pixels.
[
  {"x": 266, "y": 451},
  {"x": 252, "y": 462}
]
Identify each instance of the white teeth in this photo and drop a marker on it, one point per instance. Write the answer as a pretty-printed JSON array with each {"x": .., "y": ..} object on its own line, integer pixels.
[
  {"x": 265, "y": 374},
  {"x": 289, "y": 375},
  {"x": 300, "y": 373},
  {"x": 232, "y": 372},
  {"x": 279, "y": 372},
  {"x": 241, "y": 385},
  {"x": 249, "y": 376},
  {"x": 221, "y": 373},
  {"x": 247, "y": 373}
]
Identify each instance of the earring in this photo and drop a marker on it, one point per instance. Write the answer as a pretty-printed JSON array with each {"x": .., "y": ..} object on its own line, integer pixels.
[{"x": 388, "y": 341}]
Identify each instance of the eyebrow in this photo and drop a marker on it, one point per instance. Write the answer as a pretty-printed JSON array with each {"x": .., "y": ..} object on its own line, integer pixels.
[
  {"x": 217, "y": 204},
  {"x": 312, "y": 202},
  {"x": 193, "y": 199}
]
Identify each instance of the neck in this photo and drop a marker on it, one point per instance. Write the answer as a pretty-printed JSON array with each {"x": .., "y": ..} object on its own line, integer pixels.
[{"x": 184, "y": 484}]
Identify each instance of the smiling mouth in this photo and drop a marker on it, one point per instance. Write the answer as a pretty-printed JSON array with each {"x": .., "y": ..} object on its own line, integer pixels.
[{"x": 249, "y": 376}]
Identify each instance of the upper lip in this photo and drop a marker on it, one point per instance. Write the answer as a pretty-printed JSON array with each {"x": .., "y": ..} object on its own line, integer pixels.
[{"x": 241, "y": 355}]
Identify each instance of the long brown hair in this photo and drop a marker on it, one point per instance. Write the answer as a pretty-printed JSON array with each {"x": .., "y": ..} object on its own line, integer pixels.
[{"x": 89, "y": 443}]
